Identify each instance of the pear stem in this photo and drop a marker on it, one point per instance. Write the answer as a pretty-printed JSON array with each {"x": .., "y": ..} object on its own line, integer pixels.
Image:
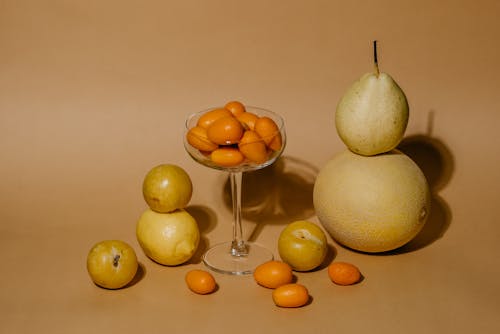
[{"x": 375, "y": 60}]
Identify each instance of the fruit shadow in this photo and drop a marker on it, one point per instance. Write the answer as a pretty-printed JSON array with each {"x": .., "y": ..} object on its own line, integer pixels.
[
  {"x": 206, "y": 219},
  {"x": 278, "y": 194},
  {"x": 139, "y": 275},
  {"x": 309, "y": 301},
  {"x": 330, "y": 256},
  {"x": 331, "y": 253},
  {"x": 436, "y": 161}
]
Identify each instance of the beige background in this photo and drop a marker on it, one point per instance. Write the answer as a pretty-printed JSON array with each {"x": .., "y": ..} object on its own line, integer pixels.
[{"x": 94, "y": 93}]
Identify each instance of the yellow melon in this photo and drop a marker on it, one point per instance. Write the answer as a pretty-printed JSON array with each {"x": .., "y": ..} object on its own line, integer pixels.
[{"x": 372, "y": 204}]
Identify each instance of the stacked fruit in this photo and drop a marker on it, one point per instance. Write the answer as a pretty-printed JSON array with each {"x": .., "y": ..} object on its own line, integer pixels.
[
  {"x": 232, "y": 135},
  {"x": 166, "y": 232},
  {"x": 372, "y": 197}
]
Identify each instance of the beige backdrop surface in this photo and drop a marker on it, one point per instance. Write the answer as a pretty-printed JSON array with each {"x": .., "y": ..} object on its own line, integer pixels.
[{"x": 94, "y": 93}]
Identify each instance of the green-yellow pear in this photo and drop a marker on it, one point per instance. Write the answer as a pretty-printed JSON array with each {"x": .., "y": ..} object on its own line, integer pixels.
[{"x": 372, "y": 115}]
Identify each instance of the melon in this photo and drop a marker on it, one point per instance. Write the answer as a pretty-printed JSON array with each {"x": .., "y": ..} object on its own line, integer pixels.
[{"x": 372, "y": 204}]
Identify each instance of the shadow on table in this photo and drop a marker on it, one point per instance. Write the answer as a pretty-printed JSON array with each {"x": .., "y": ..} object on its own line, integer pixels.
[
  {"x": 139, "y": 275},
  {"x": 206, "y": 219},
  {"x": 437, "y": 163},
  {"x": 278, "y": 194}
]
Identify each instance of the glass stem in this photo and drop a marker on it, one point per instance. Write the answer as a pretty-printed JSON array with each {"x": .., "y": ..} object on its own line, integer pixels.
[{"x": 238, "y": 246}]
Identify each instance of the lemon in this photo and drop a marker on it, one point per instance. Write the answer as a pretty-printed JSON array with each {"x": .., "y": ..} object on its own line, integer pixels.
[{"x": 168, "y": 238}]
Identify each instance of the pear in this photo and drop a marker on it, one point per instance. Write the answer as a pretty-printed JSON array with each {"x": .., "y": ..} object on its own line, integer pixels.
[{"x": 372, "y": 115}]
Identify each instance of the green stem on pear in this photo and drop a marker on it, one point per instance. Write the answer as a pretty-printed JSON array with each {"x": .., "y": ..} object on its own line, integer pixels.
[{"x": 375, "y": 60}]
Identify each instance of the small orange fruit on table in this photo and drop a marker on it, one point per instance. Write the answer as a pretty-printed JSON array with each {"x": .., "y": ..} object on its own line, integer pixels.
[
  {"x": 291, "y": 295},
  {"x": 273, "y": 274},
  {"x": 344, "y": 273},
  {"x": 200, "y": 281}
]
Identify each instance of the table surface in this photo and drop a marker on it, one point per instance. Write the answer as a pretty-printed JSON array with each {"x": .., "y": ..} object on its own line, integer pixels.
[{"x": 93, "y": 94}]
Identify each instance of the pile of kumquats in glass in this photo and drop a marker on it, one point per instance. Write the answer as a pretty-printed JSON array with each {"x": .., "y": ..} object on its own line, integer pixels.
[{"x": 232, "y": 135}]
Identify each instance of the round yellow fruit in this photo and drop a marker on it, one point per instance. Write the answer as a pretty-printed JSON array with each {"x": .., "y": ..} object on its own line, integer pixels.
[
  {"x": 112, "y": 264},
  {"x": 167, "y": 188},
  {"x": 168, "y": 238},
  {"x": 303, "y": 245},
  {"x": 372, "y": 204}
]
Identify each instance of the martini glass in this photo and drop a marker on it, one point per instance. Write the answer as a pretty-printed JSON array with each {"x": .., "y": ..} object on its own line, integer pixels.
[{"x": 236, "y": 256}]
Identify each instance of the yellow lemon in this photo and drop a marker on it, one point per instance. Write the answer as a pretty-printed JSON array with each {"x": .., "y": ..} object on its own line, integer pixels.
[{"x": 168, "y": 238}]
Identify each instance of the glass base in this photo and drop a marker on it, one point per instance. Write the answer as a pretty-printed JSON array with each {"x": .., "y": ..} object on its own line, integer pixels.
[{"x": 220, "y": 259}]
